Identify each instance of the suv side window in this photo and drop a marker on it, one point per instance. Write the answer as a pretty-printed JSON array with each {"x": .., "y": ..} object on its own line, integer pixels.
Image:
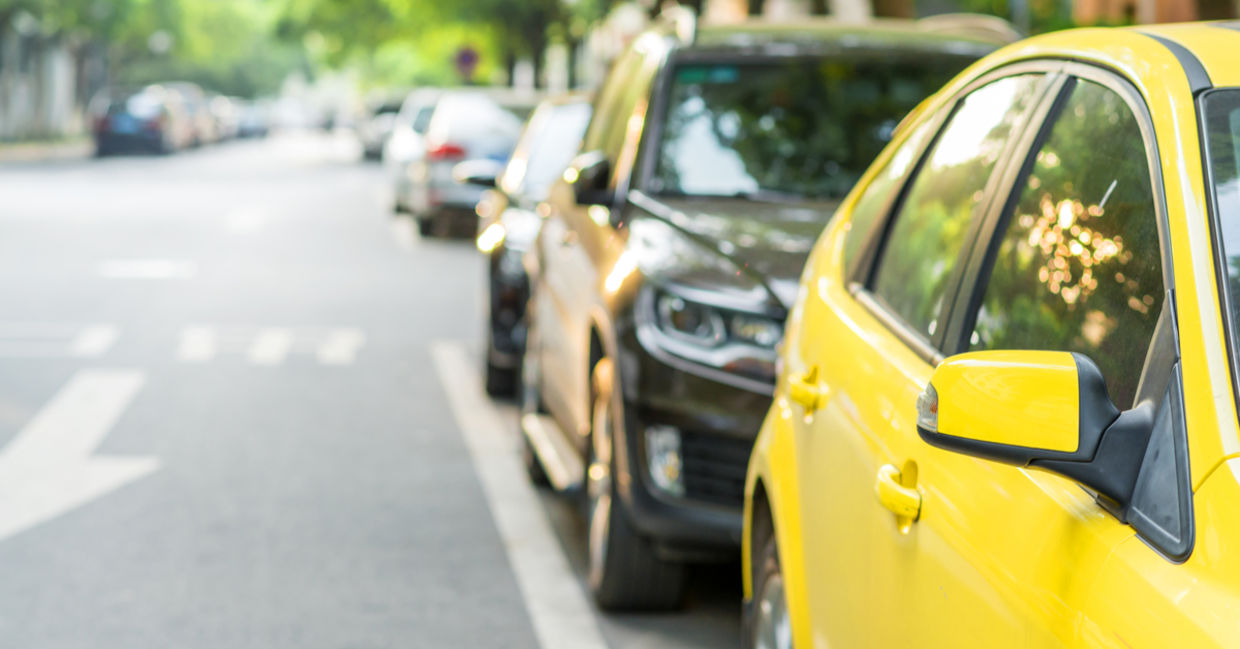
[
  {"x": 1079, "y": 267},
  {"x": 931, "y": 226}
]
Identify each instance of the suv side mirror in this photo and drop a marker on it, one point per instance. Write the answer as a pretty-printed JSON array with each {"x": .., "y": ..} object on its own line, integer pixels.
[
  {"x": 1040, "y": 409},
  {"x": 588, "y": 175},
  {"x": 482, "y": 173}
]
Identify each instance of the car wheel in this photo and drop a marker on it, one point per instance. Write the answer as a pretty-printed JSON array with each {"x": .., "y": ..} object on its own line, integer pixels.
[
  {"x": 768, "y": 625},
  {"x": 501, "y": 381},
  {"x": 531, "y": 403},
  {"x": 426, "y": 226},
  {"x": 625, "y": 573}
]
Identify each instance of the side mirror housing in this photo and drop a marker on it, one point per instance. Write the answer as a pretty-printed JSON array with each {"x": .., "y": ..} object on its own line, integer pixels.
[
  {"x": 481, "y": 173},
  {"x": 589, "y": 175},
  {"x": 1040, "y": 409}
]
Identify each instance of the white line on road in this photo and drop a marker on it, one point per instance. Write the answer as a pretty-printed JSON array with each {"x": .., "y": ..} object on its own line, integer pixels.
[
  {"x": 197, "y": 345},
  {"x": 147, "y": 269},
  {"x": 271, "y": 346},
  {"x": 340, "y": 347},
  {"x": 48, "y": 468},
  {"x": 245, "y": 220},
  {"x": 404, "y": 234},
  {"x": 94, "y": 340},
  {"x": 557, "y": 606}
]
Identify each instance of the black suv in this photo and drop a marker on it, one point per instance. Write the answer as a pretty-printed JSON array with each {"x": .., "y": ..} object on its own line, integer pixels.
[{"x": 668, "y": 259}]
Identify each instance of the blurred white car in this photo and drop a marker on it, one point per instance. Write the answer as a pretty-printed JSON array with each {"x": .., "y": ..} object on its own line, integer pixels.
[
  {"x": 467, "y": 124},
  {"x": 407, "y": 142}
]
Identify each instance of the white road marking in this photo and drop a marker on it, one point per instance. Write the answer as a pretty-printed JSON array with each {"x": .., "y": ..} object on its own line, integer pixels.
[
  {"x": 561, "y": 615},
  {"x": 404, "y": 234},
  {"x": 53, "y": 340},
  {"x": 245, "y": 220},
  {"x": 48, "y": 468},
  {"x": 271, "y": 346},
  {"x": 94, "y": 340},
  {"x": 197, "y": 345},
  {"x": 147, "y": 269},
  {"x": 340, "y": 347}
]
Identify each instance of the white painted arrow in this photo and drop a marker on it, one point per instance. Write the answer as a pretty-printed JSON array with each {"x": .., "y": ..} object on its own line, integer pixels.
[{"x": 48, "y": 468}]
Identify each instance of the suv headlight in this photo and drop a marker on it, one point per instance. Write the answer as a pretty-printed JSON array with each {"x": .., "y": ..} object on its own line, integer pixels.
[{"x": 734, "y": 341}]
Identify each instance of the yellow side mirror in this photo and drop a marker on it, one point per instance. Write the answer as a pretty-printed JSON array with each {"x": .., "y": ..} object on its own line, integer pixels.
[{"x": 1041, "y": 409}]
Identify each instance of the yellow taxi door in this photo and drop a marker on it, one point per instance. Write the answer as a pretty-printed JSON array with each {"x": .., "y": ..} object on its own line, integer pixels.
[{"x": 1068, "y": 259}]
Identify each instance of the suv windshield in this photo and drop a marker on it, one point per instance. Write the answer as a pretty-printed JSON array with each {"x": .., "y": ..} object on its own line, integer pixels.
[
  {"x": 1222, "y": 134},
  {"x": 804, "y": 127}
]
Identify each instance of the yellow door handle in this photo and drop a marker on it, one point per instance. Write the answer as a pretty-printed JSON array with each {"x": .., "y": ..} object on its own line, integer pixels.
[
  {"x": 805, "y": 390},
  {"x": 898, "y": 492}
]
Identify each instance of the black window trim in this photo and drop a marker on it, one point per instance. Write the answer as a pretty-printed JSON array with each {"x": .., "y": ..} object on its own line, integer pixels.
[{"x": 863, "y": 272}]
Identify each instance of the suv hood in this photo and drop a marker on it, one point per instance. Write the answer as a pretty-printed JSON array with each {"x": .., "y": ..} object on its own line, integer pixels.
[{"x": 731, "y": 245}]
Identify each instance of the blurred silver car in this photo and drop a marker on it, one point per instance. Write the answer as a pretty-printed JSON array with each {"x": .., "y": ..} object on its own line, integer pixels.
[
  {"x": 407, "y": 142},
  {"x": 464, "y": 125}
]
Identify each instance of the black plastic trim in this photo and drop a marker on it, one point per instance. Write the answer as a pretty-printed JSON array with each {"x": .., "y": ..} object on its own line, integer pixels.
[{"x": 1198, "y": 78}]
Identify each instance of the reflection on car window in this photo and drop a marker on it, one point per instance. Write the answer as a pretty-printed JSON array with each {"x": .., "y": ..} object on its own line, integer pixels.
[
  {"x": 930, "y": 229},
  {"x": 879, "y": 193},
  {"x": 1222, "y": 125},
  {"x": 798, "y": 127},
  {"x": 552, "y": 148},
  {"x": 1079, "y": 268}
]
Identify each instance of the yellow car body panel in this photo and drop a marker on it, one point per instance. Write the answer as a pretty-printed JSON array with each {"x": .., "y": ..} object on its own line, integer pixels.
[{"x": 1000, "y": 556}]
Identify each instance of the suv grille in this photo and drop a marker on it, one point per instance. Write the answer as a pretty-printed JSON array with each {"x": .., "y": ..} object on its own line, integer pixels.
[{"x": 714, "y": 467}]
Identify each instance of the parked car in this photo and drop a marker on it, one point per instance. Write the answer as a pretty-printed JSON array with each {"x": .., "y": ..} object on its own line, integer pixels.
[
  {"x": 376, "y": 127},
  {"x": 197, "y": 111},
  {"x": 1007, "y": 406},
  {"x": 407, "y": 143},
  {"x": 254, "y": 120},
  {"x": 150, "y": 119},
  {"x": 466, "y": 124},
  {"x": 663, "y": 271},
  {"x": 510, "y": 222}
]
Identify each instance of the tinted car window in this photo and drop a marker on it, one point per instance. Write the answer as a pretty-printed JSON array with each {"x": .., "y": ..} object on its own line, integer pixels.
[
  {"x": 1079, "y": 268},
  {"x": 930, "y": 228},
  {"x": 553, "y": 138},
  {"x": 1222, "y": 123},
  {"x": 804, "y": 127},
  {"x": 880, "y": 192}
]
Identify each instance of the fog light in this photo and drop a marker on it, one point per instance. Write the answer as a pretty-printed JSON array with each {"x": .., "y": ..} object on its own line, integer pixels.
[{"x": 663, "y": 458}]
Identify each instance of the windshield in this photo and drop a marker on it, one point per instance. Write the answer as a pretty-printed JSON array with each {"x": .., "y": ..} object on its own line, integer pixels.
[
  {"x": 1222, "y": 126},
  {"x": 793, "y": 127},
  {"x": 547, "y": 147}
]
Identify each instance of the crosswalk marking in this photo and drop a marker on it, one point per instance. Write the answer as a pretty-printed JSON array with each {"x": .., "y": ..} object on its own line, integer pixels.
[
  {"x": 56, "y": 340},
  {"x": 197, "y": 344},
  {"x": 341, "y": 347},
  {"x": 269, "y": 346}
]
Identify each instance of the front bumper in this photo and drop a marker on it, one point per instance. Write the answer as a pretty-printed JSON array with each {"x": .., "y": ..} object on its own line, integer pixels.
[{"x": 718, "y": 423}]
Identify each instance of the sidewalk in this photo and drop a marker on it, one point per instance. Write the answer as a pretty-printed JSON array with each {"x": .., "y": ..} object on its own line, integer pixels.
[{"x": 39, "y": 151}]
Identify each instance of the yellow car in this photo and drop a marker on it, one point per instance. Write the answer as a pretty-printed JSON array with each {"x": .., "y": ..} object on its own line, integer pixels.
[{"x": 1006, "y": 410}]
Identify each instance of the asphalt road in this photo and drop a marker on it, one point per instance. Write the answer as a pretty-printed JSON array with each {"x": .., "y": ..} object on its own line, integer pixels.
[{"x": 240, "y": 407}]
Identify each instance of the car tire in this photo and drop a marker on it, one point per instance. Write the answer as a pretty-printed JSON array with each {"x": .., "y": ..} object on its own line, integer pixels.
[
  {"x": 767, "y": 624},
  {"x": 501, "y": 381},
  {"x": 531, "y": 402},
  {"x": 426, "y": 226},
  {"x": 625, "y": 573}
]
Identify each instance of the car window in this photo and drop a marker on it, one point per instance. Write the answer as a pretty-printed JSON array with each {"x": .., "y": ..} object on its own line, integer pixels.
[
  {"x": 878, "y": 194},
  {"x": 547, "y": 146},
  {"x": 606, "y": 105},
  {"x": 1221, "y": 109},
  {"x": 1079, "y": 267},
  {"x": 930, "y": 227},
  {"x": 788, "y": 126}
]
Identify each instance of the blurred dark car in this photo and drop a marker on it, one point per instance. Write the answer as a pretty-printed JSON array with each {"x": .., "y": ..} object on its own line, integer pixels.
[
  {"x": 510, "y": 221},
  {"x": 150, "y": 119},
  {"x": 669, "y": 257},
  {"x": 466, "y": 124}
]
